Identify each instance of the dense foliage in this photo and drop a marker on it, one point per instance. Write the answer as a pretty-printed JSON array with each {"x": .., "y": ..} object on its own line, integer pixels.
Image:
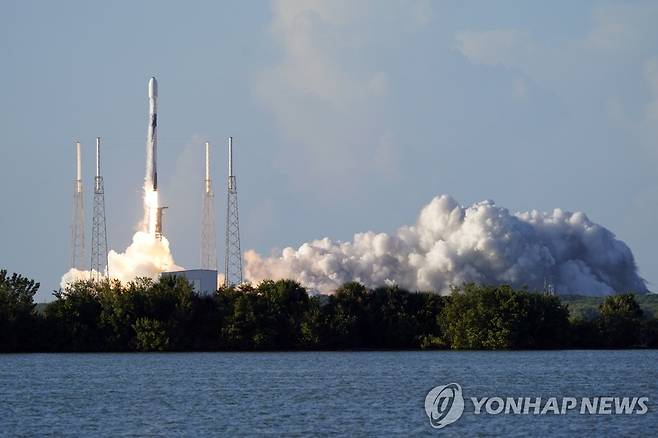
[
  {"x": 588, "y": 307},
  {"x": 19, "y": 325},
  {"x": 280, "y": 315}
]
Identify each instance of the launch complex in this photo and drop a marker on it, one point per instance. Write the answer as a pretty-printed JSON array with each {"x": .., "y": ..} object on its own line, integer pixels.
[{"x": 152, "y": 222}]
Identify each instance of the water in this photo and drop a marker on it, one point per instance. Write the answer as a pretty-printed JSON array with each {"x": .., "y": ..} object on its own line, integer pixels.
[{"x": 319, "y": 393}]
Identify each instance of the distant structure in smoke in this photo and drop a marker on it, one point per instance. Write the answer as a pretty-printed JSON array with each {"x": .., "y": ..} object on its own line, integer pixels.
[
  {"x": 78, "y": 221},
  {"x": 452, "y": 245}
]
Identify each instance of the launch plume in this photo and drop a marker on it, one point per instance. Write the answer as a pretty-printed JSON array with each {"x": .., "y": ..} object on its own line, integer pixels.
[
  {"x": 451, "y": 245},
  {"x": 145, "y": 257}
]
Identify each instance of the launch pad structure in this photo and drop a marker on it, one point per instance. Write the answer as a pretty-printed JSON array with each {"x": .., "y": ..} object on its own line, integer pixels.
[
  {"x": 233, "y": 257},
  {"x": 208, "y": 231},
  {"x": 153, "y": 219},
  {"x": 99, "y": 265},
  {"x": 78, "y": 222},
  {"x": 158, "y": 222}
]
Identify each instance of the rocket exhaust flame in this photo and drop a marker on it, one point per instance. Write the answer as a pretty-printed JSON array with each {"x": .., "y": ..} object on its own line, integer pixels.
[{"x": 150, "y": 211}]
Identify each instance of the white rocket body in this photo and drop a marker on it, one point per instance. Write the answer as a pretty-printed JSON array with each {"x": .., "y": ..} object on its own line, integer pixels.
[{"x": 151, "y": 179}]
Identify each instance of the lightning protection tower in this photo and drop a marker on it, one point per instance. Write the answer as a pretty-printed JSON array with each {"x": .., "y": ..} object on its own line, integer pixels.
[
  {"x": 99, "y": 266},
  {"x": 208, "y": 232},
  {"x": 78, "y": 222},
  {"x": 233, "y": 258}
]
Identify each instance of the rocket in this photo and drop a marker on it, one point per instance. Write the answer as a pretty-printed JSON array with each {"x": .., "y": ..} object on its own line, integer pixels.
[{"x": 151, "y": 178}]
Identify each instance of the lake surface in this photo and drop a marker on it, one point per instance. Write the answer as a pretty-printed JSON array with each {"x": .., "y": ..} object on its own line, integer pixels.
[{"x": 319, "y": 393}]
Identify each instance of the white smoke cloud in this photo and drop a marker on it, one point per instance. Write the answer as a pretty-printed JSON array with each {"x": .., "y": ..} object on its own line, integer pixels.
[
  {"x": 451, "y": 244},
  {"x": 146, "y": 256}
]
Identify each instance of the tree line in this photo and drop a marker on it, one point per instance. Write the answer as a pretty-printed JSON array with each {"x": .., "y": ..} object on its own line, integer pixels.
[{"x": 167, "y": 315}]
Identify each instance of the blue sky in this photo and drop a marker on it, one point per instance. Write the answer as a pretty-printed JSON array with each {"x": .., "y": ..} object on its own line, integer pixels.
[{"x": 347, "y": 116}]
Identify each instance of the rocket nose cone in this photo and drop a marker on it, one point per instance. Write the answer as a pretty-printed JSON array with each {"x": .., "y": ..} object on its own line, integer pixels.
[{"x": 153, "y": 87}]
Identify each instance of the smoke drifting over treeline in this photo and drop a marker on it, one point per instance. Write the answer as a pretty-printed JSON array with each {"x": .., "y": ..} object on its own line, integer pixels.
[{"x": 451, "y": 245}]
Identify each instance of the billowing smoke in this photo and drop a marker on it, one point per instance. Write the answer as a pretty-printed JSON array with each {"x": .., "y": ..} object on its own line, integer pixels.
[
  {"x": 451, "y": 245},
  {"x": 147, "y": 255}
]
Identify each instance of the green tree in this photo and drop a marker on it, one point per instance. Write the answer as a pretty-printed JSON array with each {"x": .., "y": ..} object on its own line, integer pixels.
[
  {"x": 151, "y": 335},
  {"x": 203, "y": 327},
  {"x": 391, "y": 319},
  {"x": 18, "y": 322},
  {"x": 119, "y": 313},
  {"x": 650, "y": 333},
  {"x": 74, "y": 318},
  {"x": 621, "y": 321},
  {"x": 346, "y": 317},
  {"x": 426, "y": 311},
  {"x": 547, "y": 323},
  {"x": 286, "y": 305},
  {"x": 310, "y": 333},
  {"x": 585, "y": 333},
  {"x": 487, "y": 317},
  {"x": 149, "y": 315},
  {"x": 247, "y": 326}
]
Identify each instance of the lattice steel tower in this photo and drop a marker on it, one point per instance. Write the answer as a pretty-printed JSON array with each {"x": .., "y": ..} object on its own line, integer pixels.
[
  {"x": 78, "y": 222},
  {"x": 99, "y": 266},
  {"x": 233, "y": 259},
  {"x": 208, "y": 232}
]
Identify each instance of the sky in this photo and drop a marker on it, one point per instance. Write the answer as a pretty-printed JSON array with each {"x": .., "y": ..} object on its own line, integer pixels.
[{"x": 347, "y": 116}]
